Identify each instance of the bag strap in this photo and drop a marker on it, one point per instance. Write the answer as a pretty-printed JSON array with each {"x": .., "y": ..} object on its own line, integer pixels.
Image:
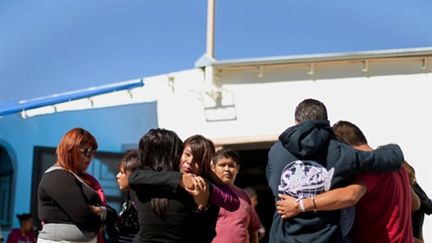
[{"x": 58, "y": 167}]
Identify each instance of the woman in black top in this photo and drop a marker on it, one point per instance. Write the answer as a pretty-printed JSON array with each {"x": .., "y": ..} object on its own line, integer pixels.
[
  {"x": 195, "y": 161},
  {"x": 127, "y": 226},
  {"x": 164, "y": 216},
  {"x": 69, "y": 208}
]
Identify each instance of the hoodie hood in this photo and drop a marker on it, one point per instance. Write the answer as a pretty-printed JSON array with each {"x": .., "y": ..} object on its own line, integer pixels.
[{"x": 306, "y": 138}]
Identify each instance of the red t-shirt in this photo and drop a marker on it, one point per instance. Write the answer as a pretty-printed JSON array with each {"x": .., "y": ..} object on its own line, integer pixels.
[
  {"x": 236, "y": 226},
  {"x": 384, "y": 213}
]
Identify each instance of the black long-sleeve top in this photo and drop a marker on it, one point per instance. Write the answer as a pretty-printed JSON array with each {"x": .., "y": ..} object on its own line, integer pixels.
[
  {"x": 183, "y": 223},
  {"x": 63, "y": 198},
  {"x": 418, "y": 215}
]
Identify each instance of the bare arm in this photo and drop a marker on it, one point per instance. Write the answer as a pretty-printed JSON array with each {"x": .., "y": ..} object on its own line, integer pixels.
[
  {"x": 335, "y": 199},
  {"x": 253, "y": 237}
]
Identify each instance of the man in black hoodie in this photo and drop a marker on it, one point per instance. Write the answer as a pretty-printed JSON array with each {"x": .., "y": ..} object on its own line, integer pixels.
[{"x": 308, "y": 160}]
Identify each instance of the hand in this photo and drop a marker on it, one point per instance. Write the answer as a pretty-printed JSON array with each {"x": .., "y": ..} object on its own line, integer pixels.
[
  {"x": 287, "y": 206},
  {"x": 187, "y": 182},
  {"x": 95, "y": 209},
  {"x": 200, "y": 191}
]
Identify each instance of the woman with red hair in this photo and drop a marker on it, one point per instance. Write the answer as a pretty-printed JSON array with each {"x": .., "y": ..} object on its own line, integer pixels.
[{"x": 69, "y": 206}]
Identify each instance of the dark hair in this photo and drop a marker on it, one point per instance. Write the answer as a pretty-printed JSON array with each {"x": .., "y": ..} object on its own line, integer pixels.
[
  {"x": 411, "y": 172},
  {"x": 310, "y": 109},
  {"x": 130, "y": 162},
  {"x": 226, "y": 153},
  {"x": 23, "y": 217},
  {"x": 202, "y": 150},
  {"x": 68, "y": 150},
  {"x": 349, "y": 133},
  {"x": 160, "y": 150}
]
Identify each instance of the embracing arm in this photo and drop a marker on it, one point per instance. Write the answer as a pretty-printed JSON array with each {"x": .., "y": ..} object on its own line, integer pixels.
[
  {"x": 150, "y": 180},
  {"x": 223, "y": 196},
  {"x": 335, "y": 199},
  {"x": 220, "y": 195},
  {"x": 168, "y": 181},
  {"x": 352, "y": 161},
  {"x": 384, "y": 158}
]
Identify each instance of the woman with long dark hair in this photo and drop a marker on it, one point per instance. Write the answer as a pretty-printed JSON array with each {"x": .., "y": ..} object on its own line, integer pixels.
[
  {"x": 194, "y": 164},
  {"x": 163, "y": 216},
  {"x": 127, "y": 226}
]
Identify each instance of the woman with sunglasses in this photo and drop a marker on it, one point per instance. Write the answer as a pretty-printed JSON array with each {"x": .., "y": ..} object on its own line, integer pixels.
[{"x": 70, "y": 208}]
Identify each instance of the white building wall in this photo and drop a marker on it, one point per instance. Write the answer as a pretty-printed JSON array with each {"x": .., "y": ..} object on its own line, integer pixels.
[{"x": 391, "y": 102}]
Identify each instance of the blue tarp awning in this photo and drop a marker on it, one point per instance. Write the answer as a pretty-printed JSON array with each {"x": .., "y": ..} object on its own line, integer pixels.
[{"x": 22, "y": 105}]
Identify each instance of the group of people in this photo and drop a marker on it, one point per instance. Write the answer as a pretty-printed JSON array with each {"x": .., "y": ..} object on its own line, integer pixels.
[
  {"x": 331, "y": 186},
  {"x": 328, "y": 184},
  {"x": 176, "y": 192}
]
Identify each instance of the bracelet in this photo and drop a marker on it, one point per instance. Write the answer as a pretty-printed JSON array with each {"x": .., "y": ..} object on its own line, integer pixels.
[
  {"x": 301, "y": 205},
  {"x": 103, "y": 211},
  {"x": 202, "y": 209},
  {"x": 315, "y": 210}
]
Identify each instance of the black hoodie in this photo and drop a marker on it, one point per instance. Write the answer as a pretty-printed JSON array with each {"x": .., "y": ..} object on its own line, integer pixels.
[{"x": 307, "y": 160}]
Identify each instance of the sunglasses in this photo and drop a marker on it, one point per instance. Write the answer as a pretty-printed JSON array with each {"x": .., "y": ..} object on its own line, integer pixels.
[{"x": 88, "y": 151}]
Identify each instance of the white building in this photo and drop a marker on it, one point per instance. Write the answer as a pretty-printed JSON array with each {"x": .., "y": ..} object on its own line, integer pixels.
[{"x": 246, "y": 104}]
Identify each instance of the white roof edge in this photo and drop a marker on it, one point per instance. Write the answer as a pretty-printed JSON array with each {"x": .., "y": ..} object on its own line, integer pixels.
[{"x": 405, "y": 52}]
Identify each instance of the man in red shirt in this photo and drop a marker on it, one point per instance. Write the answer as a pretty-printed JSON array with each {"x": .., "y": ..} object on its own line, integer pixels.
[{"x": 384, "y": 200}]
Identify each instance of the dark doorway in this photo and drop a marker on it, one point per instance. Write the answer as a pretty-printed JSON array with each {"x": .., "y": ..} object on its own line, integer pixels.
[
  {"x": 6, "y": 179},
  {"x": 252, "y": 174}
]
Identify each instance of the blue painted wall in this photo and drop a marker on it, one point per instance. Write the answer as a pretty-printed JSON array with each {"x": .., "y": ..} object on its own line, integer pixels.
[{"x": 112, "y": 127}]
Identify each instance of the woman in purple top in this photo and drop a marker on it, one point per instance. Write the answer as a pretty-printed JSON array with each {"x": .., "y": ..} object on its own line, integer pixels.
[{"x": 195, "y": 162}]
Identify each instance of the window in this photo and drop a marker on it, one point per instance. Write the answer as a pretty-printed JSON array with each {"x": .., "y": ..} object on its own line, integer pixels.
[{"x": 6, "y": 176}]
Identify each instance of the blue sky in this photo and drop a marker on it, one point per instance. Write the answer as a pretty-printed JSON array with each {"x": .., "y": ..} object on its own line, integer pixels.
[{"x": 52, "y": 46}]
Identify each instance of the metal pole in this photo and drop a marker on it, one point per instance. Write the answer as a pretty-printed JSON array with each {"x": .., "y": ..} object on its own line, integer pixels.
[{"x": 210, "y": 27}]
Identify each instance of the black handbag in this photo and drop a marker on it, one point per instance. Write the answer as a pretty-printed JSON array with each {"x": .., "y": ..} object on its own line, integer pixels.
[{"x": 128, "y": 218}]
